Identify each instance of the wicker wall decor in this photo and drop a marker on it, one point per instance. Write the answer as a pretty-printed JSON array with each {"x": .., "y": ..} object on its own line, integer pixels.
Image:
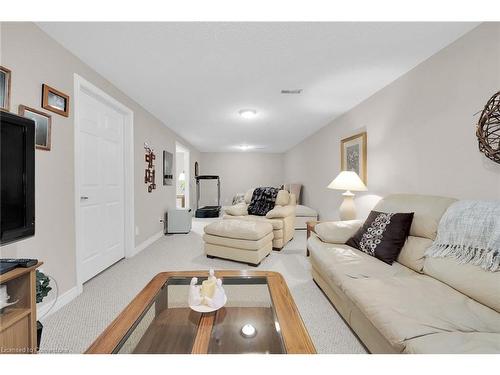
[
  {"x": 488, "y": 129},
  {"x": 149, "y": 173}
]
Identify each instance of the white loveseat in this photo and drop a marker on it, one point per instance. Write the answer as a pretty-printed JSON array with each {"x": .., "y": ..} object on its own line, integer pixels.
[
  {"x": 281, "y": 217},
  {"x": 417, "y": 305}
]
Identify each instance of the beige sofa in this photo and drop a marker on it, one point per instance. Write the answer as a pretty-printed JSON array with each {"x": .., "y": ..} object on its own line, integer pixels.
[
  {"x": 417, "y": 305},
  {"x": 281, "y": 217}
]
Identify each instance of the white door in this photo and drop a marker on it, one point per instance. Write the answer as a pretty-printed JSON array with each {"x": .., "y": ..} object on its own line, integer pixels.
[{"x": 101, "y": 185}]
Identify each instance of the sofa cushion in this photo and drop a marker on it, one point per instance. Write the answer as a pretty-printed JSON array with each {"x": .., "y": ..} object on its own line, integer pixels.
[
  {"x": 239, "y": 229},
  {"x": 305, "y": 211},
  {"x": 412, "y": 306},
  {"x": 455, "y": 343},
  {"x": 412, "y": 253},
  {"x": 239, "y": 209},
  {"x": 427, "y": 211},
  {"x": 396, "y": 300},
  {"x": 276, "y": 223},
  {"x": 338, "y": 259},
  {"x": 383, "y": 235},
  {"x": 481, "y": 285},
  {"x": 337, "y": 231}
]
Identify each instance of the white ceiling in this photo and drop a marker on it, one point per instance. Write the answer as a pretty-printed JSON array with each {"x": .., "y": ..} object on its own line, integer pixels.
[{"x": 196, "y": 76}]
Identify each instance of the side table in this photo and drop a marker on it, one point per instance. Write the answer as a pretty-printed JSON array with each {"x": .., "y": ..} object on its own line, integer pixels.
[{"x": 310, "y": 228}]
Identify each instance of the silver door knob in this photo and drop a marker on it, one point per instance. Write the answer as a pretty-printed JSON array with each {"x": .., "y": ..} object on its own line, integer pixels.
[{"x": 84, "y": 198}]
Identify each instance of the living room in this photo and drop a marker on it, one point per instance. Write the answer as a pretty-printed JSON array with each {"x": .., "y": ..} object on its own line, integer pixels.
[{"x": 328, "y": 173}]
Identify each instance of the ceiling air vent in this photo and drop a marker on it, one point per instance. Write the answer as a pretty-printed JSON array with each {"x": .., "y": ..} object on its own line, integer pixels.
[{"x": 294, "y": 91}]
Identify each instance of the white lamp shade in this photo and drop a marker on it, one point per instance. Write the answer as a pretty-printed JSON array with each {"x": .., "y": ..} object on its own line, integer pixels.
[
  {"x": 347, "y": 180},
  {"x": 182, "y": 176}
]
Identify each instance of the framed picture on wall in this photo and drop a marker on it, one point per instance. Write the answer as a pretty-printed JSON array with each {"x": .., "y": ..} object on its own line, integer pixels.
[
  {"x": 55, "y": 101},
  {"x": 5, "y": 84},
  {"x": 43, "y": 126},
  {"x": 353, "y": 155},
  {"x": 168, "y": 165}
]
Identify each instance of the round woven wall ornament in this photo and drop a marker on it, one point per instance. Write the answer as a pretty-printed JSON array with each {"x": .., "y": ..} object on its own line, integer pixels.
[{"x": 488, "y": 129}]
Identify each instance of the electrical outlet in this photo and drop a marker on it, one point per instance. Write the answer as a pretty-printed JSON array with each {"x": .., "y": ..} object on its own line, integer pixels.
[{"x": 137, "y": 231}]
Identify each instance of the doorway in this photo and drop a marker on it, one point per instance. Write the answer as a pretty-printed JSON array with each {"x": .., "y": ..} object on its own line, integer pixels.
[
  {"x": 182, "y": 176},
  {"x": 104, "y": 211}
]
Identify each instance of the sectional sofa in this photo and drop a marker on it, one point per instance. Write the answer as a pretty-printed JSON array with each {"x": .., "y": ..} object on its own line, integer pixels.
[{"x": 417, "y": 304}]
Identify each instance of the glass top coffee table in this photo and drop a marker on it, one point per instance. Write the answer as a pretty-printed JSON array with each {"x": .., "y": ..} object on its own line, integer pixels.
[{"x": 260, "y": 316}]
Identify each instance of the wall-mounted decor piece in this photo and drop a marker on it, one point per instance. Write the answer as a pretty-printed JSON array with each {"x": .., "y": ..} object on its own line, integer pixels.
[
  {"x": 5, "y": 84},
  {"x": 488, "y": 129},
  {"x": 353, "y": 155},
  {"x": 168, "y": 165},
  {"x": 196, "y": 169},
  {"x": 149, "y": 173},
  {"x": 55, "y": 101},
  {"x": 43, "y": 126}
]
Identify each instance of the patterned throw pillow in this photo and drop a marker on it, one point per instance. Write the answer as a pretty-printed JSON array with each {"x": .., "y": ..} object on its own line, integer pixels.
[
  {"x": 383, "y": 235},
  {"x": 238, "y": 198},
  {"x": 263, "y": 199}
]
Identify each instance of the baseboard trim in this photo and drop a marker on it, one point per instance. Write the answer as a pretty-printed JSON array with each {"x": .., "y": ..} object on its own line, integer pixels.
[
  {"x": 146, "y": 243},
  {"x": 45, "y": 310}
]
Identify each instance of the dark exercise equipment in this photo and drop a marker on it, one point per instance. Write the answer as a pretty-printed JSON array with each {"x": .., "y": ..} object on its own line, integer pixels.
[{"x": 207, "y": 211}]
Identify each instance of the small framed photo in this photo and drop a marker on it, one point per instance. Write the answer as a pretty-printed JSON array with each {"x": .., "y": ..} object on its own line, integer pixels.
[
  {"x": 55, "y": 101},
  {"x": 5, "y": 84},
  {"x": 353, "y": 155},
  {"x": 43, "y": 126}
]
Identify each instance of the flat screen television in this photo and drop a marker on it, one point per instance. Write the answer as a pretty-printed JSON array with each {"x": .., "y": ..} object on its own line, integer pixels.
[{"x": 17, "y": 177}]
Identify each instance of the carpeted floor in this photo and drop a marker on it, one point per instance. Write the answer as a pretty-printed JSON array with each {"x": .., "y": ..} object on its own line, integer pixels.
[{"x": 75, "y": 326}]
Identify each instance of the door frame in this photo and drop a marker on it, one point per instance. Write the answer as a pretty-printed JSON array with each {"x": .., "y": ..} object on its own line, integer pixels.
[
  {"x": 82, "y": 85},
  {"x": 187, "y": 172}
]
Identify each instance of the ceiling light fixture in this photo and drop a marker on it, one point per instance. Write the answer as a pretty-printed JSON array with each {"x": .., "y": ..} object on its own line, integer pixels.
[
  {"x": 247, "y": 113},
  {"x": 291, "y": 91},
  {"x": 245, "y": 147}
]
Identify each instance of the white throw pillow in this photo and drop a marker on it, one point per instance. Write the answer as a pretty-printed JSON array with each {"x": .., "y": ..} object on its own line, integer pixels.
[
  {"x": 239, "y": 209},
  {"x": 337, "y": 231}
]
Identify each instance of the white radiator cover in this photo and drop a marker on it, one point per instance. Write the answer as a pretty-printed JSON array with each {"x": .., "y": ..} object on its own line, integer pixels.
[{"x": 178, "y": 221}]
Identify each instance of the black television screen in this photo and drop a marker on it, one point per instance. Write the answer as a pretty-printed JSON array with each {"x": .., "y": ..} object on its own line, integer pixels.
[{"x": 17, "y": 177}]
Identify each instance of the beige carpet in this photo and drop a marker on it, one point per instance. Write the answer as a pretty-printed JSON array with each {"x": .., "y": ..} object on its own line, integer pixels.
[{"x": 74, "y": 327}]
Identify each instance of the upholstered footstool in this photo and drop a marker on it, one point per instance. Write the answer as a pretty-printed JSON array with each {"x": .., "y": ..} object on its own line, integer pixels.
[{"x": 243, "y": 241}]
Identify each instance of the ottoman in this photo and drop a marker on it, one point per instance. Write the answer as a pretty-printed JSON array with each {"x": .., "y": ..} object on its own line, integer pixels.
[
  {"x": 243, "y": 241},
  {"x": 303, "y": 214}
]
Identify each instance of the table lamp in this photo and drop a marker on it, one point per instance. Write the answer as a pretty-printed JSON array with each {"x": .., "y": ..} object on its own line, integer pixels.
[{"x": 347, "y": 180}]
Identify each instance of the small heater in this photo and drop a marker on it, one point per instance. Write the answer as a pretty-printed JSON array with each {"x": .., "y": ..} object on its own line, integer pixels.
[{"x": 178, "y": 221}]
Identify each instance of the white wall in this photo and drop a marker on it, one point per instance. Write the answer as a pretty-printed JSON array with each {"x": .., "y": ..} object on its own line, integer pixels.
[
  {"x": 239, "y": 171},
  {"x": 421, "y": 132},
  {"x": 34, "y": 59}
]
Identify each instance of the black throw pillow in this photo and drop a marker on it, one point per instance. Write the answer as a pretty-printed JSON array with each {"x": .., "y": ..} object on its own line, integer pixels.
[
  {"x": 383, "y": 235},
  {"x": 263, "y": 200}
]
